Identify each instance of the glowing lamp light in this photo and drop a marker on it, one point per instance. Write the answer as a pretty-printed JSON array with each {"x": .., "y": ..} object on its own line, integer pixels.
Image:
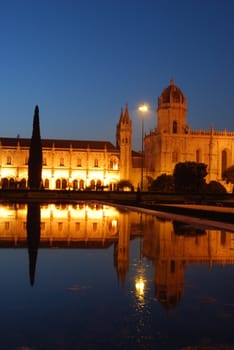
[{"x": 143, "y": 108}]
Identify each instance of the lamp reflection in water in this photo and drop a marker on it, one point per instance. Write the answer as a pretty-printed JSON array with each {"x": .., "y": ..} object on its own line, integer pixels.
[
  {"x": 140, "y": 286},
  {"x": 140, "y": 280}
]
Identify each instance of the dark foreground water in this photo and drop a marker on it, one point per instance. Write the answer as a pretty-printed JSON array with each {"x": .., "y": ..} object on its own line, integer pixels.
[{"x": 93, "y": 277}]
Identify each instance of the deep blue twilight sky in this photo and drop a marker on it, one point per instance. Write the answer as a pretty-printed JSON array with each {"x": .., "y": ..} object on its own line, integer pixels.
[{"x": 82, "y": 60}]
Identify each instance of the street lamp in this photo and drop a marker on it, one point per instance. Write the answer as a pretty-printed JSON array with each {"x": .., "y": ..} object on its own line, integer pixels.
[{"x": 143, "y": 109}]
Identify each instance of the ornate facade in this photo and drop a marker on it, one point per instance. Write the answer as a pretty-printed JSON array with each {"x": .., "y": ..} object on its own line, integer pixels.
[
  {"x": 173, "y": 141},
  {"x": 74, "y": 164},
  {"x": 78, "y": 165}
]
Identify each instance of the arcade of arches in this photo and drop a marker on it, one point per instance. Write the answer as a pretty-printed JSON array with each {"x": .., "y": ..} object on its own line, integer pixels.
[
  {"x": 67, "y": 165},
  {"x": 78, "y": 165}
]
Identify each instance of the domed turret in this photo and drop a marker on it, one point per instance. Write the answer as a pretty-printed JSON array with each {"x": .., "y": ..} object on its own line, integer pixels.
[
  {"x": 172, "y": 94},
  {"x": 172, "y": 110}
]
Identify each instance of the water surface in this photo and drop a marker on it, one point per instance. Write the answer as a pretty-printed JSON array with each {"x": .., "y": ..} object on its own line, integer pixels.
[{"x": 89, "y": 276}]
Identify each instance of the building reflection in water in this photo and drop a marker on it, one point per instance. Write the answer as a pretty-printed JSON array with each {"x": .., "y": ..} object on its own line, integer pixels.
[
  {"x": 170, "y": 246},
  {"x": 174, "y": 246}
]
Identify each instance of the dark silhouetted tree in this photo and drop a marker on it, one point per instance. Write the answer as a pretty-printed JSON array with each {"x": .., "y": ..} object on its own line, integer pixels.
[
  {"x": 190, "y": 177},
  {"x": 228, "y": 174},
  {"x": 163, "y": 183},
  {"x": 215, "y": 187},
  {"x": 35, "y": 154}
]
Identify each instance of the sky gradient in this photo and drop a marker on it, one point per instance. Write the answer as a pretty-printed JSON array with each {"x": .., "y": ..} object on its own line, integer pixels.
[{"x": 81, "y": 61}]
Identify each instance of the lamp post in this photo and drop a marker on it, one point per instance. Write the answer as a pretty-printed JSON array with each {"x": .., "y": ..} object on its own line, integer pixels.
[{"x": 143, "y": 109}]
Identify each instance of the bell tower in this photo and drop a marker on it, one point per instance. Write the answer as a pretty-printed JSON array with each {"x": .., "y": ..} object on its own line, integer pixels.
[
  {"x": 172, "y": 111},
  {"x": 124, "y": 143}
]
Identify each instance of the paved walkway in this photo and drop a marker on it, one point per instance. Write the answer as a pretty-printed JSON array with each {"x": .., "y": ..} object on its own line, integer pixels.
[
  {"x": 188, "y": 216},
  {"x": 214, "y": 208}
]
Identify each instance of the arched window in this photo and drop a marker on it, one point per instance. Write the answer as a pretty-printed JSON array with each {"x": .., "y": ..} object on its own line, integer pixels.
[
  {"x": 176, "y": 97},
  {"x": 57, "y": 184},
  {"x": 174, "y": 127},
  {"x": 64, "y": 184},
  {"x": 81, "y": 184},
  {"x": 114, "y": 164},
  {"x": 47, "y": 184},
  {"x": 75, "y": 185},
  {"x": 61, "y": 161},
  {"x": 224, "y": 160},
  {"x": 8, "y": 160},
  {"x": 11, "y": 183},
  {"x": 198, "y": 155},
  {"x": 98, "y": 184},
  {"x": 92, "y": 184},
  {"x": 174, "y": 157},
  {"x": 96, "y": 163},
  {"x": 78, "y": 162},
  {"x": 22, "y": 183},
  {"x": 5, "y": 183}
]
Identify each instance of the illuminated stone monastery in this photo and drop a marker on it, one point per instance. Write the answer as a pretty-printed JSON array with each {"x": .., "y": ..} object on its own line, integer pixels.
[
  {"x": 173, "y": 141},
  {"x": 74, "y": 164},
  {"x": 77, "y": 164}
]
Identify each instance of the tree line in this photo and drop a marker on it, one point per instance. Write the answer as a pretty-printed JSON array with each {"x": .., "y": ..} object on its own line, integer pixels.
[{"x": 189, "y": 177}]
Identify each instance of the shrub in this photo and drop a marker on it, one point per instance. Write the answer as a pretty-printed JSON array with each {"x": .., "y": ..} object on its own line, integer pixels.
[
  {"x": 215, "y": 187},
  {"x": 163, "y": 183},
  {"x": 190, "y": 177}
]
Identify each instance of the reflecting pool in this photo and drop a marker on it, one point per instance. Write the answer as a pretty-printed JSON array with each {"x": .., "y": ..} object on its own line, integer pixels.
[{"x": 91, "y": 276}]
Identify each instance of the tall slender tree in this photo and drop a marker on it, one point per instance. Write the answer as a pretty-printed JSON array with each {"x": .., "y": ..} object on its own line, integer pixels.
[{"x": 35, "y": 154}]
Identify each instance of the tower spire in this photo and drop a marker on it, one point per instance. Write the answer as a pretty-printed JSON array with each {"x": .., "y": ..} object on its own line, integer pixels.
[
  {"x": 126, "y": 117},
  {"x": 124, "y": 143}
]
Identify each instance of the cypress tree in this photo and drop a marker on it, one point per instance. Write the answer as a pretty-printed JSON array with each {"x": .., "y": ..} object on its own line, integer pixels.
[{"x": 35, "y": 154}]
